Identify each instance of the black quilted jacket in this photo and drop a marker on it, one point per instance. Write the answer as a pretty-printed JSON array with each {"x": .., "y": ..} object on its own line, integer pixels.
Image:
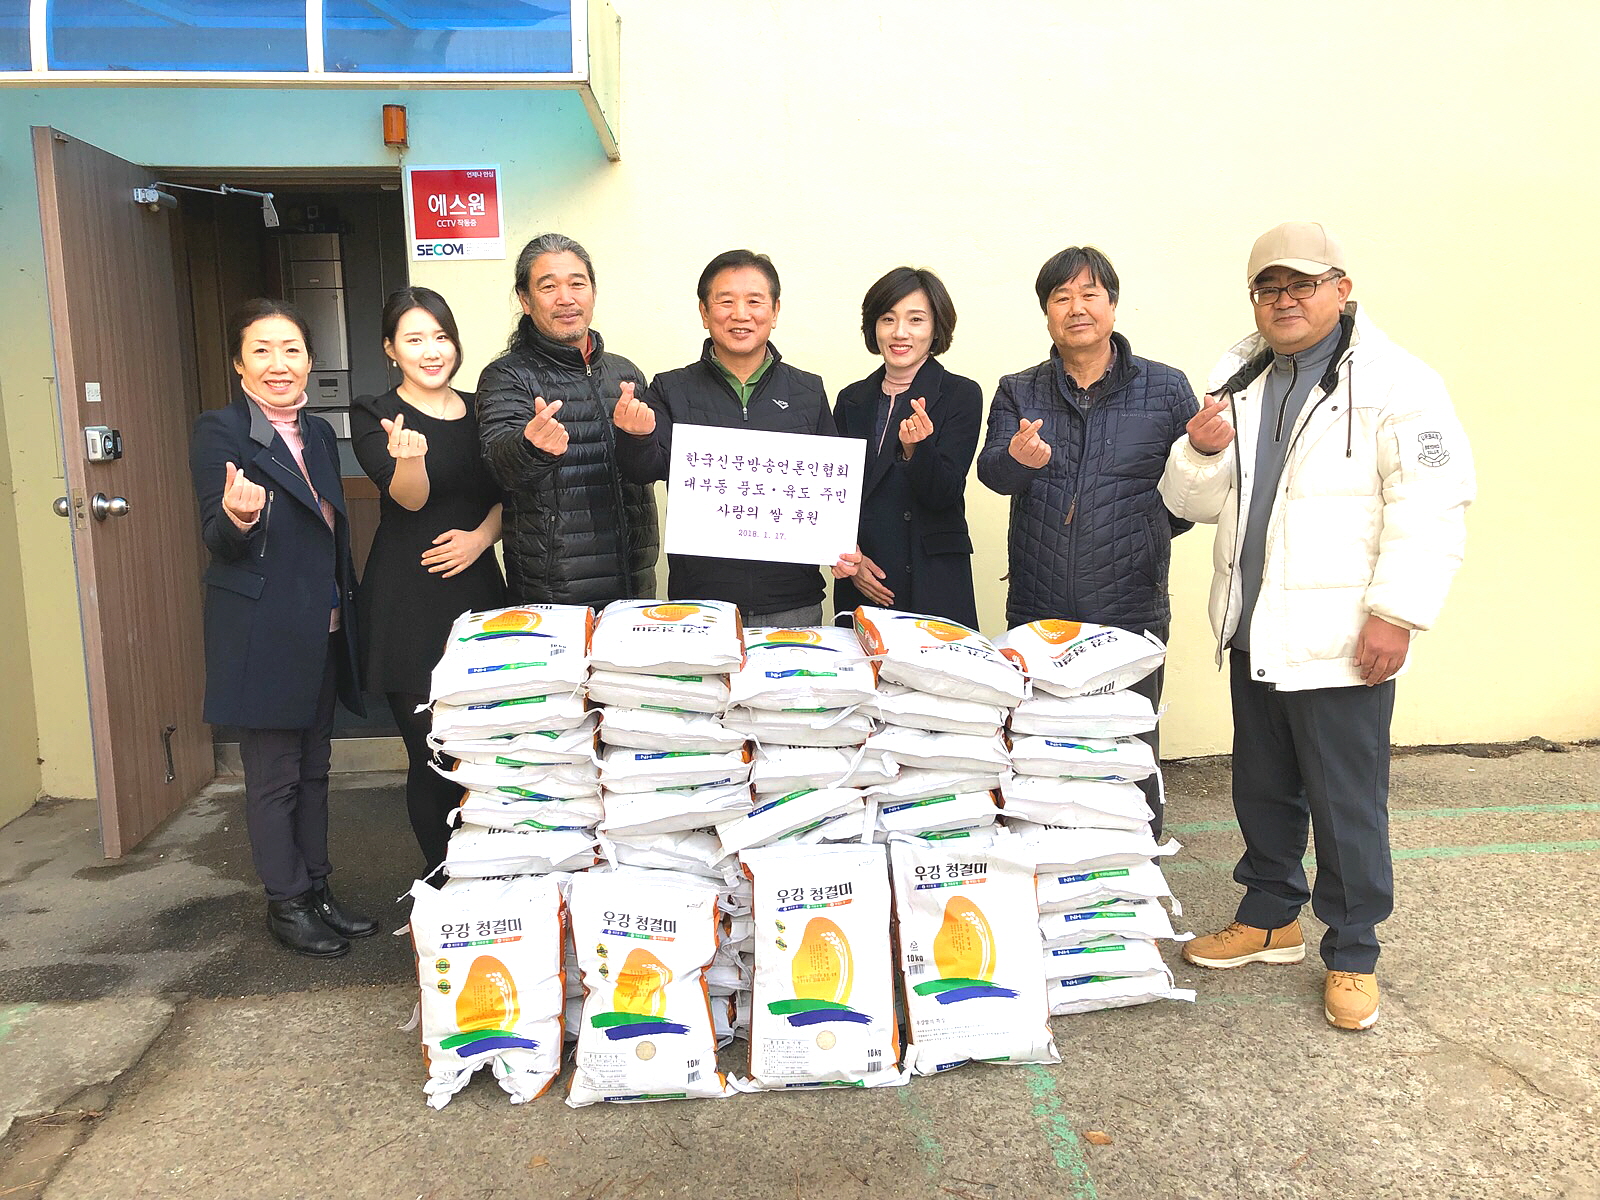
[
  {"x": 575, "y": 531},
  {"x": 1090, "y": 537}
]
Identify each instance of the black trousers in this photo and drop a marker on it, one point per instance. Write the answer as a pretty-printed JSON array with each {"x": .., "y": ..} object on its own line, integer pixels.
[
  {"x": 286, "y": 795},
  {"x": 1317, "y": 758},
  {"x": 1150, "y": 688},
  {"x": 430, "y": 798}
]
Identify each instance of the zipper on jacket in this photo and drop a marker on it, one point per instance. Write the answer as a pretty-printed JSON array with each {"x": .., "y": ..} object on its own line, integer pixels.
[
  {"x": 1294, "y": 376},
  {"x": 1238, "y": 532},
  {"x": 266, "y": 523}
]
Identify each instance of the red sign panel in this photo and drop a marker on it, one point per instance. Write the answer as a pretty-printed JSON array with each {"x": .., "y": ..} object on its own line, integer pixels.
[{"x": 454, "y": 212}]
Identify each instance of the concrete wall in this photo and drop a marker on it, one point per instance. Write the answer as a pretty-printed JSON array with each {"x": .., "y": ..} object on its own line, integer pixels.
[{"x": 846, "y": 138}]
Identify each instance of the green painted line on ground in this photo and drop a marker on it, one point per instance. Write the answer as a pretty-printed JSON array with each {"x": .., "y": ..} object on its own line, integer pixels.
[
  {"x": 1217, "y": 864},
  {"x": 928, "y": 1144},
  {"x": 11, "y": 1016},
  {"x": 1058, "y": 1132},
  {"x": 1414, "y": 814}
]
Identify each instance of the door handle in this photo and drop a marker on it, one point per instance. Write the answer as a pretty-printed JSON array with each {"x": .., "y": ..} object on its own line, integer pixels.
[
  {"x": 103, "y": 506},
  {"x": 61, "y": 506}
]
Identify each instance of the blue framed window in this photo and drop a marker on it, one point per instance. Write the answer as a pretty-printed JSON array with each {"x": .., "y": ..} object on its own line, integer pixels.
[
  {"x": 176, "y": 35},
  {"x": 479, "y": 37},
  {"x": 14, "y": 55}
]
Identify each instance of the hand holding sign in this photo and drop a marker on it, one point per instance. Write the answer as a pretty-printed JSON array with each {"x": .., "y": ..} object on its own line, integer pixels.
[
  {"x": 916, "y": 428},
  {"x": 1209, "y": 431},
  {"x": 1027, "y": 447},
  {"x": 633, "y": 415},
  {"x": 544, "y": 432},
  {"x": 403, "y": 442},
  {"x": 241, "y": 499}
]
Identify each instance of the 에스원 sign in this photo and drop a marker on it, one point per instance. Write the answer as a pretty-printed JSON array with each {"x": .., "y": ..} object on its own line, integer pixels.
[{"x": 454, "y": 212}]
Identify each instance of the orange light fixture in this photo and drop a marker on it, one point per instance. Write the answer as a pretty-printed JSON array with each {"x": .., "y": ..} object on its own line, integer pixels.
[{"x": 394, "y": 126}]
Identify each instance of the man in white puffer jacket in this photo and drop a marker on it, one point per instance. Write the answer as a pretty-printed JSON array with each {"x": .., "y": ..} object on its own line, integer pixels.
[{"x": 1338, "y": 477}]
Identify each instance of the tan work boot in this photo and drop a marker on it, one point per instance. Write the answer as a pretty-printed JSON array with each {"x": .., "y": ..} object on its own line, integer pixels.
[
  {"x": 1350, "y": 999},
  {"x": 1240, "y": 944}
]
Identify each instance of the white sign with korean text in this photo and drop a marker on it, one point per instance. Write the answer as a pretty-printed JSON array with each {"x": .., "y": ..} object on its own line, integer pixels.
[{"x": 775, "y": 497}]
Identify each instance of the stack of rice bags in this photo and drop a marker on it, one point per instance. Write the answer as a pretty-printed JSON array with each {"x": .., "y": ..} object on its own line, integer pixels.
[
  {"x": 1074, "y": 797},
  {"x": 944, "y": 695},
  {"x": 672, "y": 772}
]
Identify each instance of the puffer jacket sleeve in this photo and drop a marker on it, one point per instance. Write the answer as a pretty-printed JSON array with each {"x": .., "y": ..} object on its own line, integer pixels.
[
  {"x": 1195, "y": 486},
  {"x": 1185, "y": 407},
  {"x": 1428, "y": 480},
  {"x": 645, "y": 458},
  {"x": 997, "y": 470},
  {"x": 210, "y": 452},
  {"x": 938, "y": 468},
  {"x": 504, "y": 410}
]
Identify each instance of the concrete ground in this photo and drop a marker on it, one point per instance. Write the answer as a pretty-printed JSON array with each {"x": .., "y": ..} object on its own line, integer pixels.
[{"x": 154, "y": 1042}]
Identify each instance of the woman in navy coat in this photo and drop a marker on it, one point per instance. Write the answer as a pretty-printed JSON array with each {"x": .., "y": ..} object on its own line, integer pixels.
[
  {"x": 279, "y": 615},
  {"x": 921, "y": 425}
]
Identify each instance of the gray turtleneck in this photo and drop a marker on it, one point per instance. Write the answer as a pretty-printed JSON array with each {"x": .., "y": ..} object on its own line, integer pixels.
[{"x": 1290, "y": 379}]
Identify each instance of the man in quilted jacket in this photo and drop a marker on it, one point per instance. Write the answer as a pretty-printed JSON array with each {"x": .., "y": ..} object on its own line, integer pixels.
[
  {"x": 1338, "y": 477},
  {"x": 1078, "y": 443}
]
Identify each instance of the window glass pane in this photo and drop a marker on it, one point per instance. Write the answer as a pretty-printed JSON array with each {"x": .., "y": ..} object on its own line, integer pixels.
[
  {"x": 14, "y": 54},
  {"x": 177, "y": 35},
  {"x": 448, "y": 36}
]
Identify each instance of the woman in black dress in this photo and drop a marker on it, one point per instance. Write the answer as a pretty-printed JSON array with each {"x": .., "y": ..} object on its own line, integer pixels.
[
  {"x": 921, "y": 425},
  {"x": 431, "y": 558}
]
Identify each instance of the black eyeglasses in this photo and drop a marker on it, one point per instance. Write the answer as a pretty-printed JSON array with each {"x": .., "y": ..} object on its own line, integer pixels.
[{"x": 1300, "y": 289}]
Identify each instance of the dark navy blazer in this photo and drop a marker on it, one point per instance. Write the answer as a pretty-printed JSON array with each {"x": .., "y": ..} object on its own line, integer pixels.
[{"x": 270, "y": 591}]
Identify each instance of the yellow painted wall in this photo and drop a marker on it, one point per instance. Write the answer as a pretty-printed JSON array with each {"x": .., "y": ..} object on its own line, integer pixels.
[{"x": 1448, "y": 144}]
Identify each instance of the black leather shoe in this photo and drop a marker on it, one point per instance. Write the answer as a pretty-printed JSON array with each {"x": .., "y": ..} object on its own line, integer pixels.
[
  {"x": 336, "y": 916},
  {"x": 296, "y": 924}
]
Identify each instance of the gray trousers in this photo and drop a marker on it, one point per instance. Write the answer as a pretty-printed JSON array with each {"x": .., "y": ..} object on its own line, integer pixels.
[
  {"x": 286, "y": 796},
  {"x": 811, "y": 615},
  {"x": 1317, "y": 758}
]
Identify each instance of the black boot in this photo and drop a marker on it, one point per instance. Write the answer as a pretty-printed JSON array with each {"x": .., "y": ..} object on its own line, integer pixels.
[
  {"x": 295, "y": 923},
  {"x": 336, "y": 916}
]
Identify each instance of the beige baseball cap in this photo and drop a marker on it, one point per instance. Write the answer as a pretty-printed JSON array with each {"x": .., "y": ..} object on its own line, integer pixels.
[{"x": 1305, "y": 246}]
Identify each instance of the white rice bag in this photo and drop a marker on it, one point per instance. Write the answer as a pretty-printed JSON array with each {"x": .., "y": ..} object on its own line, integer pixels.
[
  {"x": 649, "y": 729},
  {"x": 935, "y": 814},
  {"x": 813, "y": 668},
  {"x": 900, "y": 705},
  {"x": 553, "y": 779},
  {"x": 490, "y": 811},
  {"x": 532, "y": 747},
  {"x": 644, "y": 939},
  {"x": 489, "y": 969},
  {"x": 693, "y": 637},
  {"x": 782, "y": 816},
  {"x": 1072, "y": 888},
  {"x": 938, "y": 656},
  {"x": 1102, "y": 715},
  {"x": 467, "y": 722},
  {"x": 687, "y": 693},
  {"x": 625, "y": 770},
  {"x": 914, "y": 783},
  {"x": 1089, "y": 993},
  {"x": 678, "y": 810},
  {"x": 970, "y": 952},
  {"x": 1103, "y": 956},
  {"x": 698, "y": 853},
  {"x": 1087, "y": 803},
  {"x": 529, "y": 650},
  {"x": 1124, "y": 918},
  {"x": 823, "y": 1012},
  {"x": 1123, "y": 759},
  {"x": 779, "y": 769},
  {"x": 831, "y": 727},
  {"x": 968, "y": 752},
  {"x": 1074, "y": 658},
  {"x": 473, "y": 853},
  {"x": 1089, "y": 849}
]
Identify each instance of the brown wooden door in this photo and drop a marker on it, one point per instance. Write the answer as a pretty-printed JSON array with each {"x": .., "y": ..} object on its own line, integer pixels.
[{"x": 116, "y": 306}]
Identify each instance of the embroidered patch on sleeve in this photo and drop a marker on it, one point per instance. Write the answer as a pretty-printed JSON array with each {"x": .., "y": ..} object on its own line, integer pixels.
[{"x": 1431, "y": 450}]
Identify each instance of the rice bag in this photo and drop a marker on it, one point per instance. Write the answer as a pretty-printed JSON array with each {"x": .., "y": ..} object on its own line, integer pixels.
[
  {"x": 1072, "y": 803},
  {"x": 488, "y": 958},
  {"x": 490, "y": 811},
  {"x": 780, "y": 769},
  {"x": 970, "y": 952},
  {"x": 968, "y": 752},
  {"x": 624, "y": 770},
  {"x": 675, "y": 810},
  {"x": 814, "y": 668},
  {"x": 1102, "y": 715},
  {"x": 582, "y": 778},
  {"x": 823, "y": 1011},
  {"x": 1074, "y": 658},
  {"x": 1073, "y": 888},
  {"x": 529, "y": 747},
  {"x": 559, "y": 711},
  {"x": 695, "y": 637},
  {"x": 1123, "y": 759},
  {"x": 899, "y": 705},
  {"x": 697, "y": 853},
  {"x": 914, "y": 783},
  {"x": 529, "y": 650},
  {"x": 1103, "y": 956},
  {"x": 1089, "y": 993},
  {"x": 782, "y": 816},
  {"x": 1089, "y": 849},
  {"x": 934, "y": 814},
  {"x": 938, "y": 656},
  {"x": 650, "y": 729},
  {"x": 686, "y": 693},
  {"x": 830, "y": 727},
  {"x": 473, "y": 853},
  {"x": 644, "y": 940},
  {"x": 1124, "y": 918}
]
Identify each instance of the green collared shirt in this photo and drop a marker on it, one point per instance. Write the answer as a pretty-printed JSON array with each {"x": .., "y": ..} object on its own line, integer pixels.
[{"x": 747, "y": 388}]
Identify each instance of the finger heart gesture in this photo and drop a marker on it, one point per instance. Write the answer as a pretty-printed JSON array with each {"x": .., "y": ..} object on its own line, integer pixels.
[
  {"x": 241, "y": 499},
  {"x": 1027, "y": 447},
  {"x": 917, "y": 427},
  {"x": 403, "y": 442},
  {"x": 544, "y": 432},
  {"x": 633, "y": 415}
]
